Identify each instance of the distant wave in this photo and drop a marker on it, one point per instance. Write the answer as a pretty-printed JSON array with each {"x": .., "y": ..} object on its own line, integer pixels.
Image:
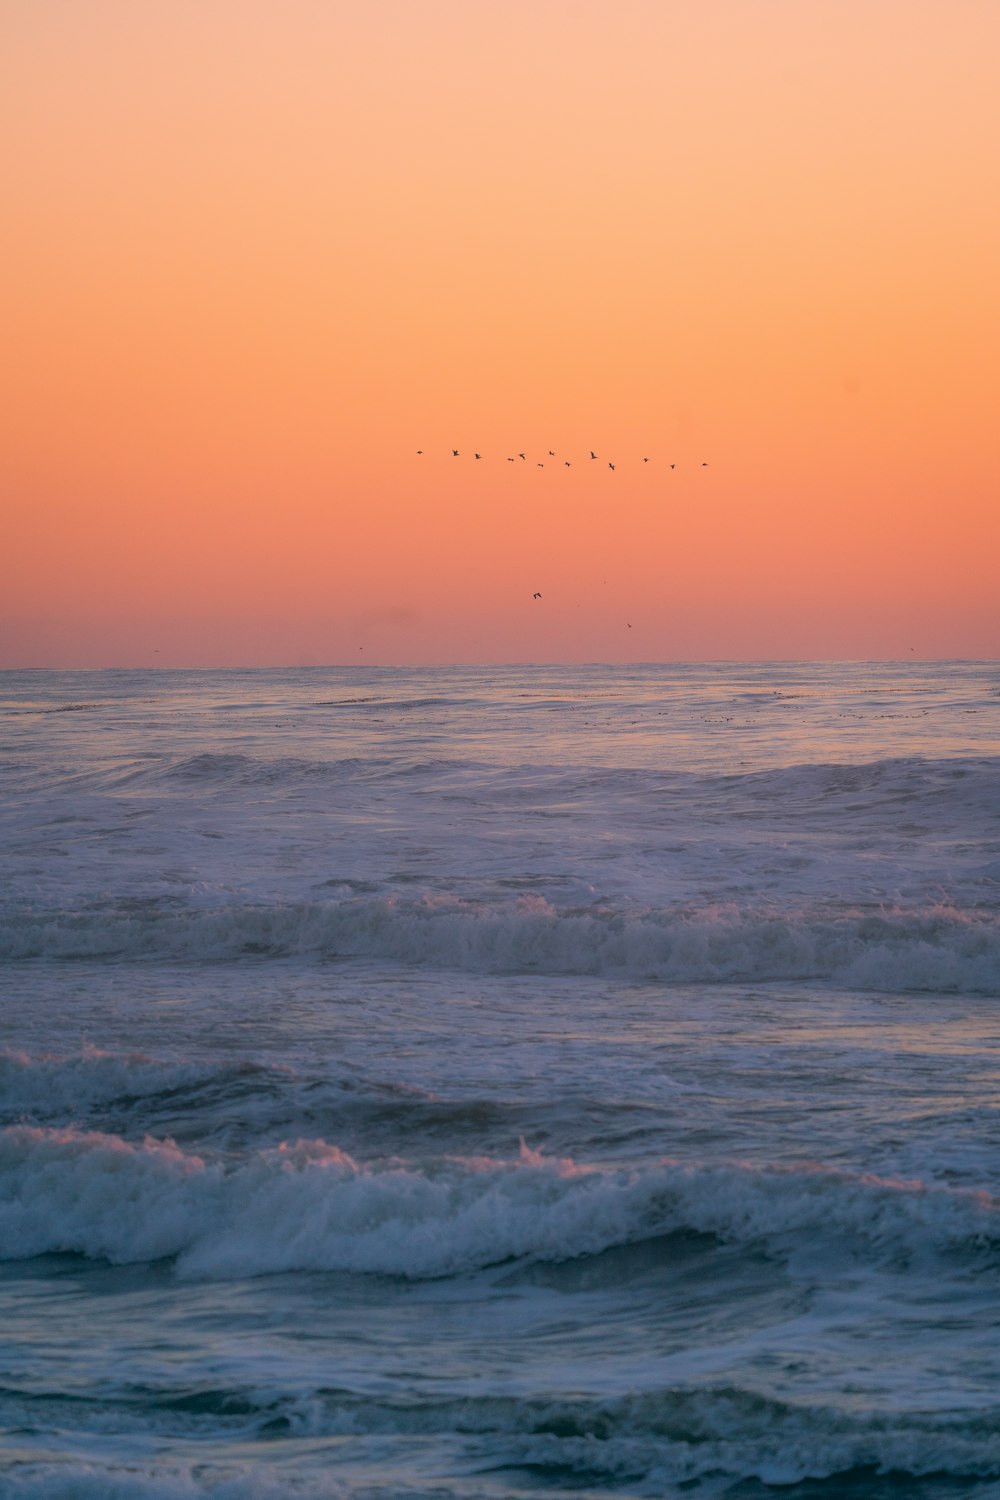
[
  {"x": 928, "y": 949},
  {"x": 67, "y": 708},
  {"x": 383, "y": 701},
  {"x": 308, "y": 1206},
  {"x": 893, "y": 789},
  {"x": 236, "y": 769}
]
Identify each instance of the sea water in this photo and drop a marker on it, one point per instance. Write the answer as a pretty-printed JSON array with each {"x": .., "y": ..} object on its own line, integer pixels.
[{"x": 501, "y": 1082}]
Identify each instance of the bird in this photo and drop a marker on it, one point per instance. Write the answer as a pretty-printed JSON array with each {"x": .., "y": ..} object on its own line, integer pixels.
[
  {"x": 536, "y": 596},
  {"x": 478, "y": 455},
  {"x": 673, "y": 466},
  {"x": 510, "y": 460},
  {"x": 567, "y": 464},
  {"x": 454, "y": 452},
  {"x": 645, "y": 460},
  {"x": 419, "y": 451},
  {"x": 552, "y": 453},
  {"x": 610, "y": 466},
  {"x": 520, "y": 455},
  {"x": 592, "y": 453},
  {"x": 540, "y": 466},
  {"x": 629, "y": 624},
  {"x": 704, "y": 464}
]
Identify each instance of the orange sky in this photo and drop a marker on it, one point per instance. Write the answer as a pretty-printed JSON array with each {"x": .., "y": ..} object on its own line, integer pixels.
[{"x": 256, "y": 254}]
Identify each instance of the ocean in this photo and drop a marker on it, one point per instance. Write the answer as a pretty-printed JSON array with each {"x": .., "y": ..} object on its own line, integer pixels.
[{"x": 501, "y": 1082}]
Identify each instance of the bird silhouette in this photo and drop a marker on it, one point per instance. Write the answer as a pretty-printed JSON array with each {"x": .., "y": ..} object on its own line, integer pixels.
[
  {"x": 536, "y": 596},
  {"x": 567, "y": 464},
  {"x": 592, "y": 453},
  {"x": 645, "y": 460},
  {"x": 704, "y": 464},
  {"x": 610, "y": 466},
  {"x": 510, "y": 460},
  {"x": 540, "y": 466},
  {"x": 419, "y": 451},
  {"x": 673, "y": 466},
  {"x": 454, "y": 452},
  {"x": 478, "y": 455},
  {"x": 520, "y": 455}
]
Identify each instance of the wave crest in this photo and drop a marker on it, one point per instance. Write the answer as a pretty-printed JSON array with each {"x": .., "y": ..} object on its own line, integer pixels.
[{"x": 309, "y": 1206}]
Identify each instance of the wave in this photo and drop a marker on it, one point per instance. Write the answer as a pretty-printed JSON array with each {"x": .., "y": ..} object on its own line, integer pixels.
[
  {"x": 214, "y": 768},
  {"x": 679, "y": 1434},
  {"x": 935, "y": 949},
  {"x": 52, "y": 1084},
  {"x": 240, "y": 1100},
  {"x": 308, "y": 1206},
  {"x": 68, "y": 708},
  {"x": 941, "y": 789}
]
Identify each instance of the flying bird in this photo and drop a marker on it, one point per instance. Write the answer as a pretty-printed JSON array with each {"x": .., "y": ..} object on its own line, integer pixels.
[
  {"x": 510, "y": 460},
  {"x": 673, "y": 466},
  {"x": 704, "y": 464},
  {"x": 454, "y": 452},
  {"x": 540, "y": 466},
  {"x": 520, "y": 455},
  {"x": 592, "y": 453},
  {"x": 419, "y": 451},
  {"x": 645, "y": 460},
  {"x": 552, "y": 453},
  {"x": 567, "y": 464},
  {"x": 610, "y": 466},
  {"x": 536, "y": 596},
  {"x": 479, "y": 455}
]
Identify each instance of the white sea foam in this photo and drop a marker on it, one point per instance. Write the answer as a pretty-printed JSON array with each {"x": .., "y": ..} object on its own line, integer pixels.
[{"x": 309, "y": 1206}]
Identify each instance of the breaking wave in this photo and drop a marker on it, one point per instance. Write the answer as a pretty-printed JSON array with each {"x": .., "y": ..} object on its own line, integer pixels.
[
  {"x": 936, "y": 949},
  {"x": 308, "y": 1206}
]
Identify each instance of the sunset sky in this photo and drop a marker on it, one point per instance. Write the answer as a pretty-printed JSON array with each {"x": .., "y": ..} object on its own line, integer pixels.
[{"x": 257, "y": 254}]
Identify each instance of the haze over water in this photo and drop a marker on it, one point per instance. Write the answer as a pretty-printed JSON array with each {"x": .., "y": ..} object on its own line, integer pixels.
[{"x": 500, "y": 1082}]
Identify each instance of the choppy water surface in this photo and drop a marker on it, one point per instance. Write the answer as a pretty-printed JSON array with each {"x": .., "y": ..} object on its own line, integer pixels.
[{"x": 501, "y": 1082}]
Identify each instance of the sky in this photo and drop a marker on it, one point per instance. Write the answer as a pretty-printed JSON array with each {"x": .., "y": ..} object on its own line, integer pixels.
[{"x": 256, "y": 255}]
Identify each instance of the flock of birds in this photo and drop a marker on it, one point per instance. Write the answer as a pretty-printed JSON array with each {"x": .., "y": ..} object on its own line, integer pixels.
[
  {"x": 567, "y": 463},
  {"x": 551, "y": 453}
]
